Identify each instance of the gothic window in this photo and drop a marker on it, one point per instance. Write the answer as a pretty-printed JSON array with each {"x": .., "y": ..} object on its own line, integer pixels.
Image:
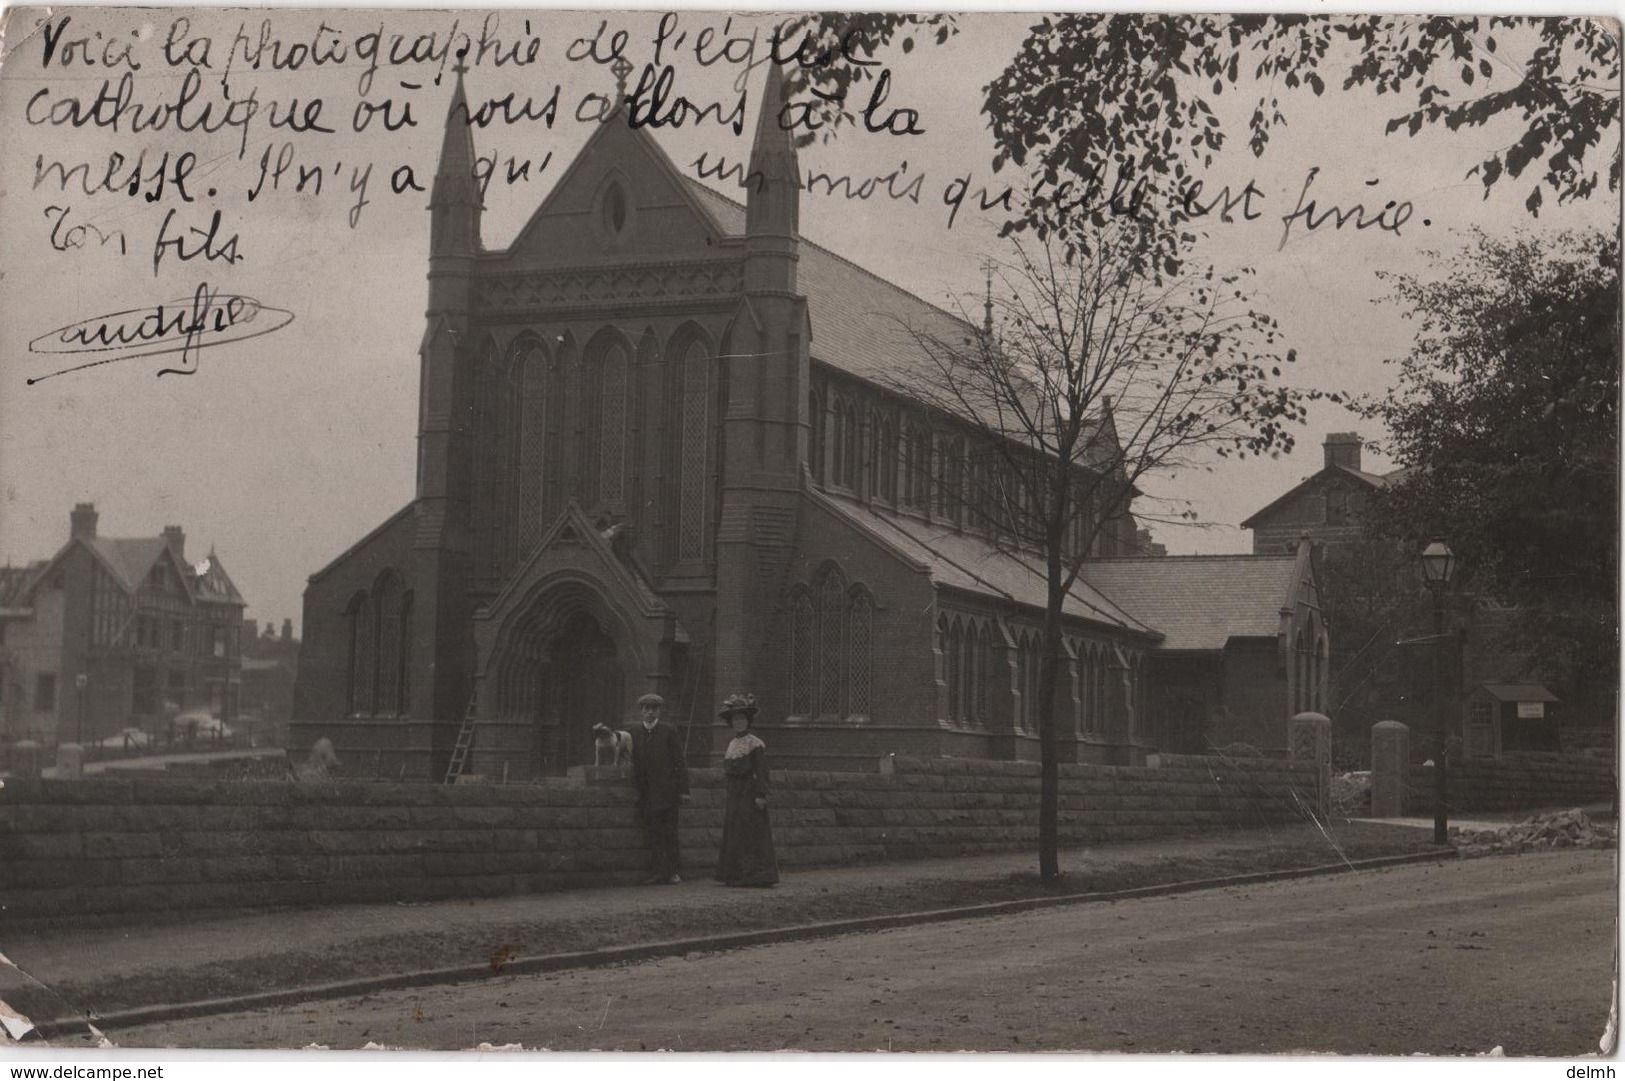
[
  {"x": 612, "y": 428},
  {"x": 640, "y": 492},
  {"x": 967, "y": 672},
  {"x": 403, "y": 675},
  {"x": 846, "y": 443},
  {"x": 882, "y": 457},
  {"x": 1102, "y": 693},
  {"x": 494, "y": 481},
  {"x": 1086, "y": 677},
  {"x": 614, "y": 210},
  {"x": 950, "y": 479},
  {"x": 838, "y": 443},
  {"x": 831, "y": 640},
  {"x": 815, "y": 440},
  {"x": 831, "y": 648},
  {"x": 361, "y": 655},
  {"x": 956, "y": 671},
  {"x": 982, "y": 494},
  {"x": 939, "y": 478},
  {"x": 692, "y": 453},
  {"x": 556, "y": 436},
  {"x": 860, "y": 634},
  {"x": 1027, "y": 669},
  {"x": 985, "y": 668},
  {"x": 586, "y": 396},
  {"x": 916, "y": 466},
  {"x": 387, "y": 655},
  {"x": 531, "y": 365},
  {"x": 801, "y": 653}
]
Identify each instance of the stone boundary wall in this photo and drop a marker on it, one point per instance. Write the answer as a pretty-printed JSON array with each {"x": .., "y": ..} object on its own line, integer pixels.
[
  {"x": 1515, "y": 783},
  {"x": 108, "y": 845}
]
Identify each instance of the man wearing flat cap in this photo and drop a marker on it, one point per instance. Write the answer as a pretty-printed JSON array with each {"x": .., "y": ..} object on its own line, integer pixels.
[{"x": 661, "y": 777}]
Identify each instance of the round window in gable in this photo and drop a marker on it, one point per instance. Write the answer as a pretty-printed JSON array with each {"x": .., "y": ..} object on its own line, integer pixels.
[{"x": 614, "y": 210}]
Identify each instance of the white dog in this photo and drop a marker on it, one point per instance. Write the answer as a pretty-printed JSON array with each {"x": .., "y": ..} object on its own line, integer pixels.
[{"x": 609, "y": 744}]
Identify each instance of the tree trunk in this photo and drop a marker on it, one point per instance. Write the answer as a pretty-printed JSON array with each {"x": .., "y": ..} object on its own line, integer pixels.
[{"x": 1049, "y": 771}]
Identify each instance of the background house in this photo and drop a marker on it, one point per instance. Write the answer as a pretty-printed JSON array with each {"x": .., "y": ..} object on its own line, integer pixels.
[
  {"x": 270, "y": 667},
  {"x": 1383, "y": 659},
  {"x": 115, "y": 632}
]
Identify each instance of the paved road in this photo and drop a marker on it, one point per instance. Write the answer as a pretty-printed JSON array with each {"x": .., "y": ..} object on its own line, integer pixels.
[{"x": 1452, "y": 958}]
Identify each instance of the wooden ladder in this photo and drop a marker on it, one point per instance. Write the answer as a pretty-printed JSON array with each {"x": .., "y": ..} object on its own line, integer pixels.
[{"x": 465, "y": 740}]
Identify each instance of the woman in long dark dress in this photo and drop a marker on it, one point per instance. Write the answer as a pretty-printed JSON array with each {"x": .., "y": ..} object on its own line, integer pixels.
[{"x": 747, "y": 839}]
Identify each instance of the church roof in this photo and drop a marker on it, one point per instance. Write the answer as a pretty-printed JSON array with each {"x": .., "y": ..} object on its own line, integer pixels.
[
  {"x": 861, "y": 322},
  {"x": 966, "y": 562},
  {"x": 1201, "y": 602}
]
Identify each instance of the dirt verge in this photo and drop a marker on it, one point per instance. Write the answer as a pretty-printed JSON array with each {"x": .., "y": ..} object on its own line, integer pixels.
[{"x": 686, "y": 913}]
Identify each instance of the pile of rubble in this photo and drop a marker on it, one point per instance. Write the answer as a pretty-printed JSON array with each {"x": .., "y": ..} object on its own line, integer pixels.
[
  {"x": 1351, "y": 794},
  {"x": 1562, "y": 829}
]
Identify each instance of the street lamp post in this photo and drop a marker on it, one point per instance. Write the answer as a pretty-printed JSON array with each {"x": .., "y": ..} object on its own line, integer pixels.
[
  {"x": 1439, "y": 568},
  {"x": 80, "y": 682}
]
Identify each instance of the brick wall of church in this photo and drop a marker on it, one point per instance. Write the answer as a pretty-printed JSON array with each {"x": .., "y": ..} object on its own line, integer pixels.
[
  {"x": 1255, "y": 701},
  {"x": 902, "y": 681},
  {"x": 320, "y": 693}
]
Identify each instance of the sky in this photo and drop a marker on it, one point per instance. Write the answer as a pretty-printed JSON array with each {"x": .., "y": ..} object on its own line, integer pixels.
[{"x": 282, "y": 450}]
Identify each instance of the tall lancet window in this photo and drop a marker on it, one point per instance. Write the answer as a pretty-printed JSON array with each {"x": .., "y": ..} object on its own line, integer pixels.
[
  {"x": 831, "y": 641},
  {"x": 531, "y": 363},
  {"x": 557, "y": 436},
  {"x": 362, "y": 644},
  {"x": 586, "y": 401},
  {"x": 494, "y": 467},
  {"x": 386, "y": 689},
  {"x": 802, "y": 647},
  {"x": 691, "y": 451},
  {"x": 612, "y": 429}
]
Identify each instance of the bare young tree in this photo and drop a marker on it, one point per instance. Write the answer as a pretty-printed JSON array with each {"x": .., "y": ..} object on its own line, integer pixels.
[{"x": 1086, "y": 376}]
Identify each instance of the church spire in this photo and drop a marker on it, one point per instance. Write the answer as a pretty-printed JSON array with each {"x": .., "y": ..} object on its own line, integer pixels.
[
  {"x": 454, "y": 200},
  {"x": 773, "y": 194}
]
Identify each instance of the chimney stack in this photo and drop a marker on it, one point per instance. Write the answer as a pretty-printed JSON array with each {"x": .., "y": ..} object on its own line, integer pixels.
[
  {"x": 287, "y": 630},
  {"x": 1343, "y": 448},
  {"x": 82, "y": 522},
  {"x": 175, "y": 536}
]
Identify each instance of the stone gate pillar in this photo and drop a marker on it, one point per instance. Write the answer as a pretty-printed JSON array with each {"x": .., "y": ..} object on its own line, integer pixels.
[
  {"x": 25, "y": 759},
  {"x": 1390, "y": 759},
  {"x": 1309, "y": 736}
]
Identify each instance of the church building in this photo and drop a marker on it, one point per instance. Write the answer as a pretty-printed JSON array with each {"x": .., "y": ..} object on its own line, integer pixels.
[{"x": 659, "y": 450}]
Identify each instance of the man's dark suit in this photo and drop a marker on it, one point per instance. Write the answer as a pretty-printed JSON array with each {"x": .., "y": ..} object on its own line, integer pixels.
[{"x": 661, "y": 777}]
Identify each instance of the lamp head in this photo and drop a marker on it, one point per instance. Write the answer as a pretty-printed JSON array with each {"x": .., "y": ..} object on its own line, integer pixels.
[{"x": 1438, "y": 564}]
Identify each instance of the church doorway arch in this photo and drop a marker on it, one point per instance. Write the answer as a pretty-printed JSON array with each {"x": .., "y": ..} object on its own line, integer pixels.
[{"x": 580, "y": 683}]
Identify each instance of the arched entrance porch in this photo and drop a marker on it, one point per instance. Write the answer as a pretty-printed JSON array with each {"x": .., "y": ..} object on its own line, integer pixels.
[{"x": 563, "y": 660}]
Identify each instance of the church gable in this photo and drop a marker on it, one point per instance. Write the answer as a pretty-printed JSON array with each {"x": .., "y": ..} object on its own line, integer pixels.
[{"x": 621, "y": 200}]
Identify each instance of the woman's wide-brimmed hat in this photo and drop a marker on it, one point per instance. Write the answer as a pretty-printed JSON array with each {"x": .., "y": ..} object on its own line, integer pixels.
[{"x": 738, "y": 703}]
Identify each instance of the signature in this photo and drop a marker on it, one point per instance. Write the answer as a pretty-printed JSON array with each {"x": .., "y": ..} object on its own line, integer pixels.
[{"x": 187, "y": 326}]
